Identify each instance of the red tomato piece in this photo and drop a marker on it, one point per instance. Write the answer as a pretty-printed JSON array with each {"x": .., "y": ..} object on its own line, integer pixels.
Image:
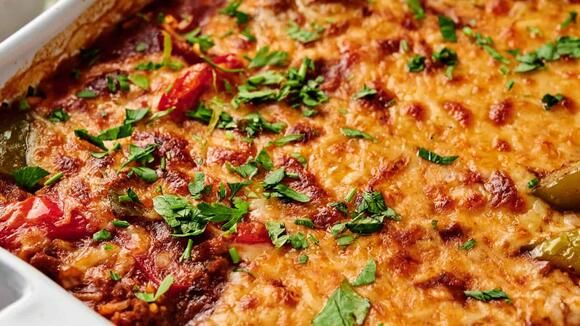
[
  {"x": 42, "y": 213},
  {"x": 186, "y": 91},
  {"x": 252, "y": 233},
  {"x": 228, "y": 61}
]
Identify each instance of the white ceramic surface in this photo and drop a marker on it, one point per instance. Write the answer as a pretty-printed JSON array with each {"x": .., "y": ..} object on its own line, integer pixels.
[
  {"x": 18, "y": 50},
  {"x": 16, "y": 13},
  {"x": 29, "y": 298}
]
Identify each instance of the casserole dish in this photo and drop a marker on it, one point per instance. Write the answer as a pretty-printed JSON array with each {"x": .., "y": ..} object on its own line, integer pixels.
[{"x": 278, "y": 162}]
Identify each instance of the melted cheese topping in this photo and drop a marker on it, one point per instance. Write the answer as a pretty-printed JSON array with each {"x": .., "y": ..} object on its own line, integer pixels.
[{"x": 420, "y": 269}]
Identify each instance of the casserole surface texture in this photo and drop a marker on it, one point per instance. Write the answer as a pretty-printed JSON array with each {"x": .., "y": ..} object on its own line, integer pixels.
[{"x": 283, "y": 162}]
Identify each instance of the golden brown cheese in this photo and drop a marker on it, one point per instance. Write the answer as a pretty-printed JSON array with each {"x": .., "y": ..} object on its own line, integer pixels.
[{"x": 503, "y": 138}]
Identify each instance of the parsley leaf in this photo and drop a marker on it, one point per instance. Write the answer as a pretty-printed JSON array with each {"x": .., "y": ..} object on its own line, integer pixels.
[
  {"x": 304, "y": 36},
  {"x": 138, "y": 154},
  {"x": 87, "y": 94},
  {"x": 264, "y": 57},
  {"x": 264, "y": 160},
  {"x": 185, "y": 219},
  {"x": 488, "y": 295},
  {"x": 290, "y": 193},
  {"x": 367, "y": 275},
  {"x": 134, "y": 116},
  {"x": 549, "y": 101},
  {"x": 122, "y": 131},
  {"x": 365, "y": 92},
  {"x": 468, "y": 245},
  {"x": 416, "y": 8},
  {"x": 370, "y": 213},
  {"x": 147, "y": 174},
  {"x": 247, "y": 170},
  {"x": 28, "y": 177},
  {"x": 84, "y": 135},
  {"x": 344, "y": 307},
  {"x": 198, "y": 185},
  {"x": 58, "y": 115},
  {"x": 447, "y": 28},
  {"x": 353, "y": 133},
  {"x": 162, "y": 289},
  {"x": 284, "y": 140},
  {"x": 571, "y": 19},
  {"x": 140, "y": 81},
  {"x": 416, "y": 64},
  {"x": 435, "y": 158},
  {"x": 232, "y": 10},
  {"x": 305, "y": 222},
  {"x": 205, "y": 42},
  {"x": 277, "y": 233}
]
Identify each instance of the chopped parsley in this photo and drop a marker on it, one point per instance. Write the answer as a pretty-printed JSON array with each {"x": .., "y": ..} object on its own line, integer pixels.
[
  {"x": 231, "y": 10},
  {"x": 247, "y": 170},
  {"x": 264, "y": 160},
  {"x": 416, "y": 64},
  {"x": 284, "y": 140},
  {"x": 120, "y": 224},
  {"x": 84, "y": 135},
  {"x": 139, "y": 80},
  {"x": 29, "y": 176},
  {"x": 367, "y": 275},
  {"x": 287, "y": 192},
  {"x": 488, "y": 295},
  {"x": 486, "y": 43},
  {"x": 277, "y": 233},
  {"x": 114, "y": 276},
  {"x": 264, "y": 58},
  {"x": 533, "y": 183},
  {"x": 54, "y": 179},
  {"x": 197, "y": 186},
  {"x": 447, "y": 28},
  {"x": 435, "y": 158},
  {"x": 365, "y": 92},
  {"x": 370, "y": 213},
  {"x": 58, "y": 115},
  {"x": 234, "y": 255},
  {"x": 302, "y": 259},
  {"x": 205, "y": 42},
  {"x": 186, "y": 255},
  {"x": 141, "y": 155},
  {"x": 416, "y": 8},
  {"x": 468, "y": 245},
  {"x": 130, "y": 197},
  {"x": 248, "y": 34},
  {"x": 298, "y": 241},
  {"x": 565, "y": 46},
  {"x": 550, "y": 101},
  {"x": 86, "y": 94},
  {"x": 102, "y": 235},
  {"x": 353, "y": 133},
  {"x": 161, "y": 290},
  {"x": 134, "y": 116},
  {"x": 305, "y": 222},
  {"x": 147, "y": 174},
  {"x": 571, "y": 19},
  {"x": 303, "y": 35},
  {"x": 344, "y": 307}
]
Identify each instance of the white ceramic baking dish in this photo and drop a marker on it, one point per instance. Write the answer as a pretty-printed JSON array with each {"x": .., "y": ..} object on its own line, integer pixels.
[{"x": 27, "y": 297}]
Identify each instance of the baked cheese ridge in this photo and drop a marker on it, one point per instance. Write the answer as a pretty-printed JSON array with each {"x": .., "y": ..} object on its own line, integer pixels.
[{"x": 487, "y": 114}]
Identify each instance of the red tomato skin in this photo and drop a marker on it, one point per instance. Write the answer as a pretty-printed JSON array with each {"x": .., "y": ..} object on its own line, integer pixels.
[
  {"x": 41, "y": 213},
  {"x": 186, "y": 91},
  {"x": 252, "y": 233}
]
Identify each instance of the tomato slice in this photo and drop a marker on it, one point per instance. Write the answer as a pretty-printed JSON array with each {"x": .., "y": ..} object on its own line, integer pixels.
[
  {"x": 228, "y": 61},
  {"x": 186, "y": 90},
  {"x": 252, "y": 233},
  {"x": 42, "y": 213}
]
